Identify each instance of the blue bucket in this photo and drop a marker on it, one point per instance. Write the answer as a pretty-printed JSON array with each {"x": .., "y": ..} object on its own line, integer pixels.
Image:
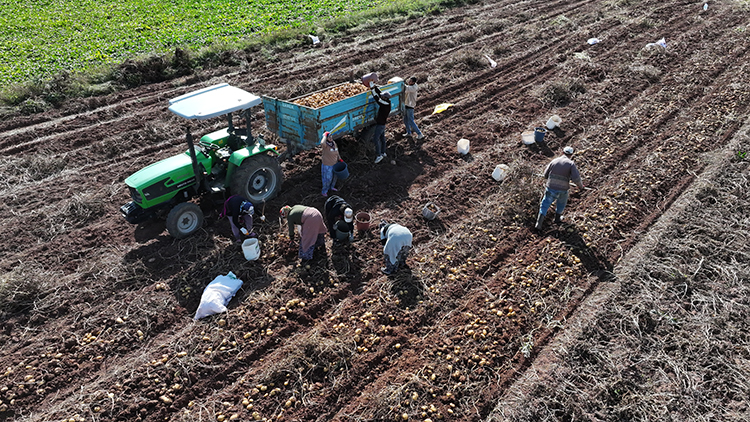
[
  {"x": 539, "y": 135},
  {"x": 341, "y": 170}
]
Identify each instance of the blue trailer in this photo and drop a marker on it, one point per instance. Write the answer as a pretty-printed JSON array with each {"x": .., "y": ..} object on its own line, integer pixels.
[{"x": 301, "y": 128}]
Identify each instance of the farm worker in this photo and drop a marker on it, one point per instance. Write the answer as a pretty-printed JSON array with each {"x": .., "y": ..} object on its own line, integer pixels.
[
  {"x": 383, "y": 100},
  {"x": 559, "y": 173},
  {"x": 312, "y": 234},
  {"x": 339, "y": 215},
  {"x": 397, "y": 240},
  {"x": 410, "y": 102},
  {"x": 239, "y": 211},
  {"x": 329, "y": 157}
]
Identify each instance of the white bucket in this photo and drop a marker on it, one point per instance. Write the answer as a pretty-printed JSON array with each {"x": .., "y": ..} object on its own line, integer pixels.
[
  {"x": 463, "y": 146},
  {"x": 500, "y": 172},
  {"x": 553, "y": 122},
  {"x": 528, "y": 137},
  {"x": 251, "y": 249}
]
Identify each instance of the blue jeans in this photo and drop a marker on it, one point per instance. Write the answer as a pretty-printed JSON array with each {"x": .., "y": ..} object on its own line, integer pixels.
[
  {"x": 329, "y": 180},
  {"x": 379, "y": 138},
  {"x": 411, "y": 126},
  {"x": 551, "y": 195}
]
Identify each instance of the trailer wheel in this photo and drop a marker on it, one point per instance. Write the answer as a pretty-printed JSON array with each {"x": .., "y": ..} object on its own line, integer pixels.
[
  {"x": 258, "y": 179},
  {"x": 184, "y": 219}
]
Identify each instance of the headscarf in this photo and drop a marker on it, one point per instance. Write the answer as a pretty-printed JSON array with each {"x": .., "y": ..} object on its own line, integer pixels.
[
  {"x": 327, "y": 137},
  {"x": 383, "y": 229},
  {"x": 285, "y": 210},
  {"x": 247, "y": 208}
]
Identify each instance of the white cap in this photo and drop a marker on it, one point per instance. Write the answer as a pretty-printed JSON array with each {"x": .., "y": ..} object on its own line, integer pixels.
[
  {"x": 348, "y": 215},
  {"x": 568, "y": 150}
]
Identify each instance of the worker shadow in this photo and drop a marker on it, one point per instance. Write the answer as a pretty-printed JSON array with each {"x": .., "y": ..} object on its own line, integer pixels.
[
  {"x": 348, "y": 264},
  {"x": 369, "y": 184},
  {"x": 405, "y": 287},
  {"x": 559, "y": 133},
  {"x": 540, "y": 148},
  {"x": 314, "y": 275},
  {"x": 255, "y": 278},
  {"x": 593, "y": 261},
  {"x": 410, "y": 151},
  {"x": 435, "y": 226},
  {"x": 467, "y": 158}
]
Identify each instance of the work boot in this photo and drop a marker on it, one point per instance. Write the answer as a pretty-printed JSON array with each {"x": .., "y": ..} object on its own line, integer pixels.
[
  {"x": 539, "y": 221},
  {"x": 558, "y": 218}
]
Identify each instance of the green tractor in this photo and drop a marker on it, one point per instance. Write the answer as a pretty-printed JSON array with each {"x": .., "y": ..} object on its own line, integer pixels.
[{"x": 229, "y": 159}]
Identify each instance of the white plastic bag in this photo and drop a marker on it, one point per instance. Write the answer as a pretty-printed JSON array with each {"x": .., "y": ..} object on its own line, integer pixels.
[{"x": 217, "y": 295}]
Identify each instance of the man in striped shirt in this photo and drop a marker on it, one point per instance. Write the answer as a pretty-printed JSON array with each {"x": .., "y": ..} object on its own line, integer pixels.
[{"x": 559, "y": 173}]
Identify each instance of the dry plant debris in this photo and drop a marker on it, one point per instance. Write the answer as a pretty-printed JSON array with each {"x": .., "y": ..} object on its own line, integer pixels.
[{"x": 96, "y": 316}]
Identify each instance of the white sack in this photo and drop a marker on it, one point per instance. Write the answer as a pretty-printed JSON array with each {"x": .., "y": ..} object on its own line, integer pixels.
[{"x": 217, "y": 295}]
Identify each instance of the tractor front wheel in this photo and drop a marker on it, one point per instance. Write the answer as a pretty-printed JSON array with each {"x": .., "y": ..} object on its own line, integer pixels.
[
  {"x": 258, "y": 179},
  {"x": 184, "y": 219}
]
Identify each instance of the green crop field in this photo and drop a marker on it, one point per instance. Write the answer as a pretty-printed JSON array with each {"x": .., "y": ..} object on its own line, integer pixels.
[{"x": 42, "y": 37}]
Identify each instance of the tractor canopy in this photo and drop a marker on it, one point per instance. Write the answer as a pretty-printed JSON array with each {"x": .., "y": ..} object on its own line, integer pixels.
[{"x": 214, "y": 101}]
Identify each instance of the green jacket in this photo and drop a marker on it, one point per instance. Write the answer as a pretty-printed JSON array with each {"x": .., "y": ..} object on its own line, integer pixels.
[{"x": 295, "y": 217}]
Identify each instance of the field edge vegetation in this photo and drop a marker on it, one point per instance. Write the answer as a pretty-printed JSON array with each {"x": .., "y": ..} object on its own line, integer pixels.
[{"x": 42, "y": 93}]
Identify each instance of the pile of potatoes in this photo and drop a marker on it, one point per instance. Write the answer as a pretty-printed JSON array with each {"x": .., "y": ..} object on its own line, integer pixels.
[{"x": 321, "y": 99}]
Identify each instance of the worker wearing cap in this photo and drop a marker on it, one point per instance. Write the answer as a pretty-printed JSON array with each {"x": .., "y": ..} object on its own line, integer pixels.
[
  {"x": 410, "y": 101},
  {"x": 339, "y": 215},
  {"x": 313, "y": 229},
  {"x": 383, "y": 100},
  {"x": 239, "y": 211},
  {"x": 329, "y": 157},
  {"x": 559, "y": 173},
  {"x": 397, "y": 240}
]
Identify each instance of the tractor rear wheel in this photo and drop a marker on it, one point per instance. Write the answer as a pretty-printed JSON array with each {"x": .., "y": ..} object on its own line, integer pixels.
[
  {"x": 184, "y": 219},
  {"x": 258, "y": 179}
]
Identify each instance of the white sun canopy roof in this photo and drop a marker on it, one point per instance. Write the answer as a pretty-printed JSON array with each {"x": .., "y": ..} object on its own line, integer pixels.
[{"x": 214, "y": 101}]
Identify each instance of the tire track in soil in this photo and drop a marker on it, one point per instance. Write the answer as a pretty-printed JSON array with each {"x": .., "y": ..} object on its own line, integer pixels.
[
  {"x": 631, "y": 160},
  {"x": 595, "y": 301},
  {"x": 484, "y": 104},
  {"x": 49, "y": 132},
  {"x": 145, "y": 105},
  {"x": 154, "y": 98},
  {"x": 672, "y": 194}
]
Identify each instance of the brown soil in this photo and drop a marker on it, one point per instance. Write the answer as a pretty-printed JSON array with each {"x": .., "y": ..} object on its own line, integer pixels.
[{"x": 98, "y": 325}]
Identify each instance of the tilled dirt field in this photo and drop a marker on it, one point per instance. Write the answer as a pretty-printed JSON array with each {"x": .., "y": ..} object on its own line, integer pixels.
[{"x": 97, "y": 314}]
